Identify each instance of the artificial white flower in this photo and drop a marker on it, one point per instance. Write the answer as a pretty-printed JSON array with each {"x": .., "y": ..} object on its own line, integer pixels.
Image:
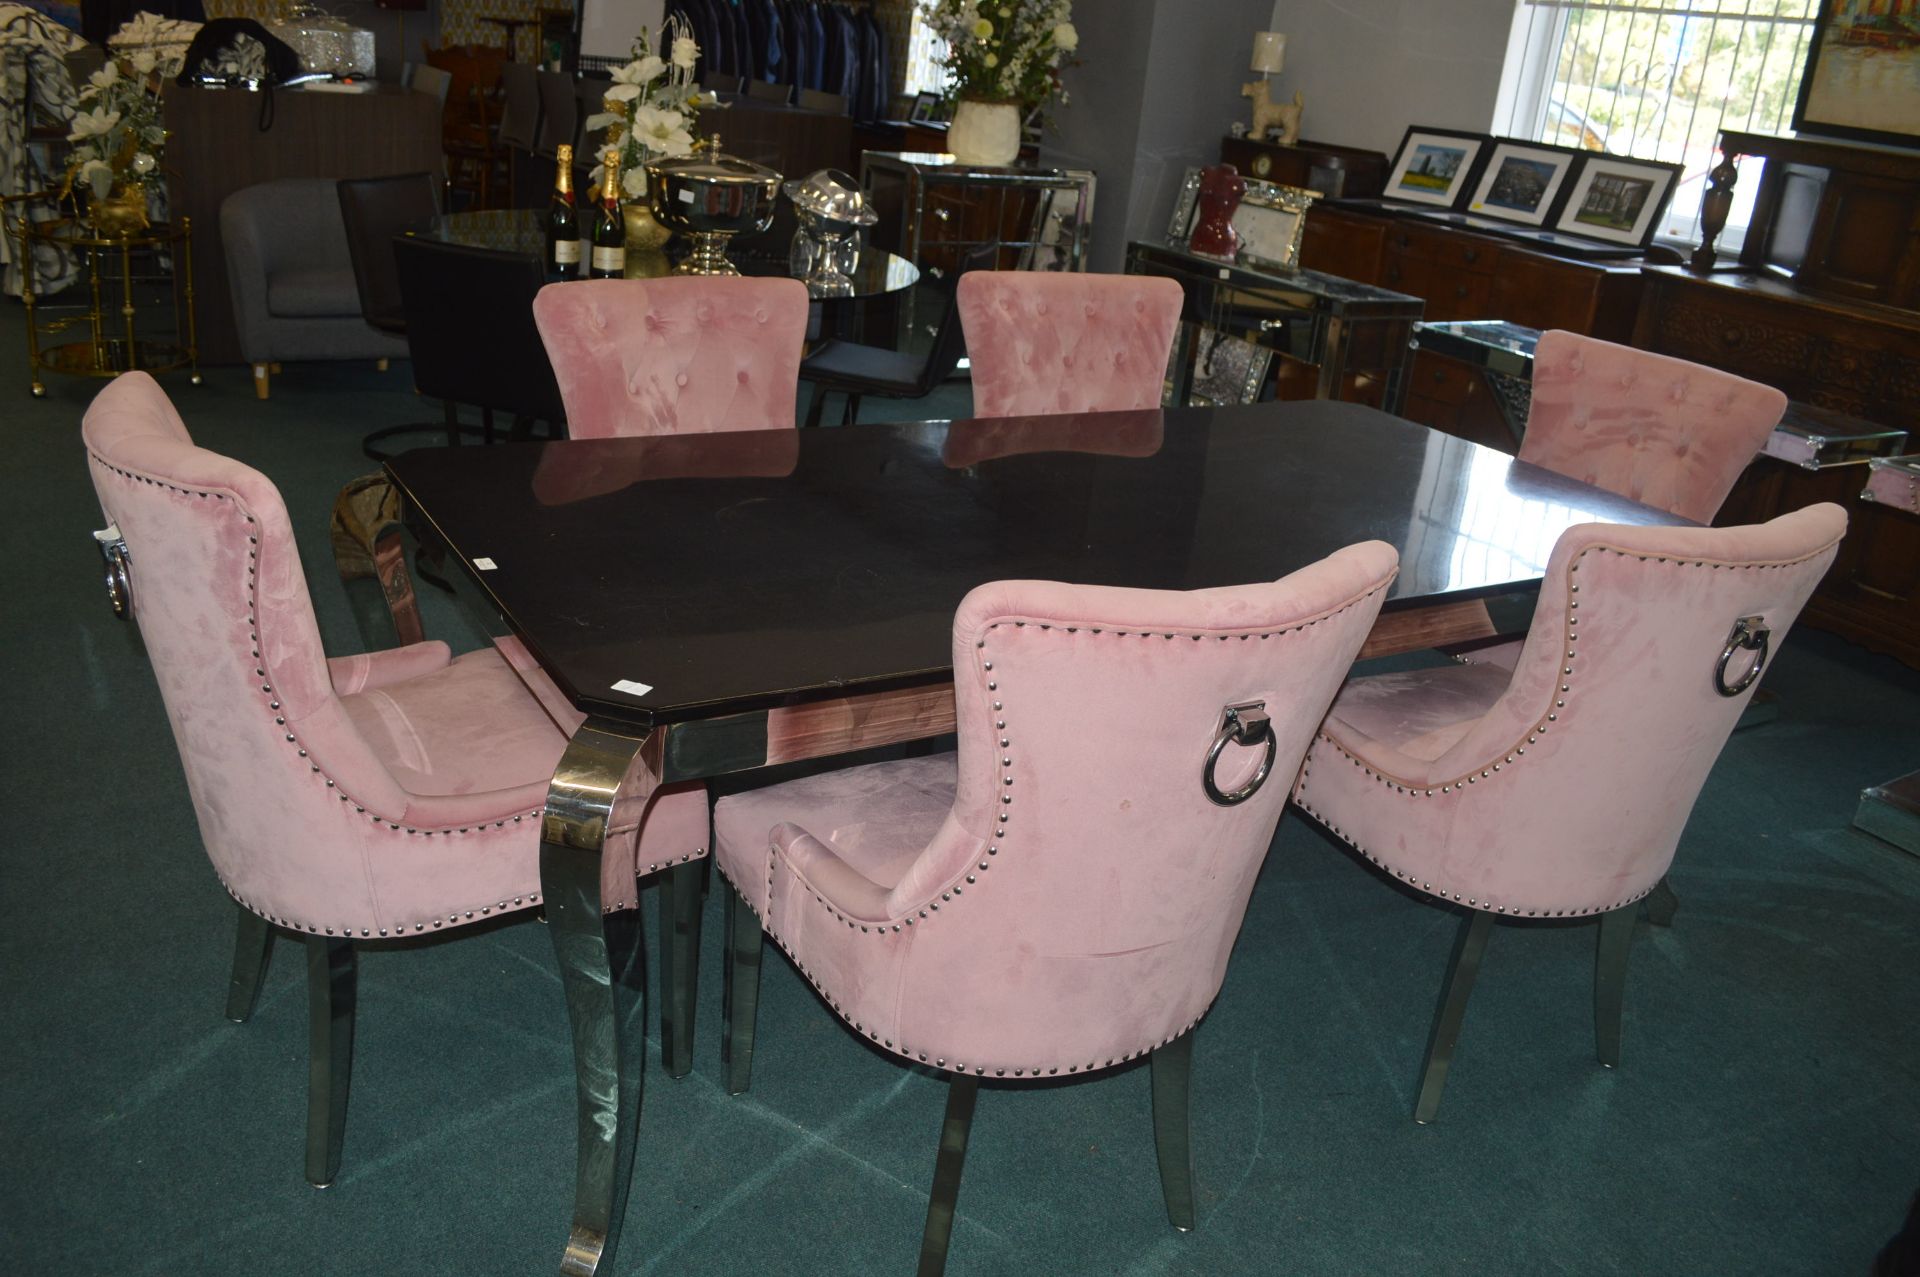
[
  {"x": 143, "y": 163},
  {"x": 98, "y": 175},
  {"x": 144, "y": 62},
  {"x": 982, "y": 28},
  {"x": 1066, "y": 38},
  {"x": 634, "y": 182},
  {"x": 685, "y": 53},
  {"x": 661, "y": 131},
  {"x": 621, "y": 92},
  {"x": 96, "y": 123},
  {"x": 604, "y": 120},
  {"x": 106, "y": 75}
]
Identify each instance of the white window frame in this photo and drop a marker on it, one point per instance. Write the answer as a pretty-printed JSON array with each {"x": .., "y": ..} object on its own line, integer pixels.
[{"x": 1528, "y": 75}]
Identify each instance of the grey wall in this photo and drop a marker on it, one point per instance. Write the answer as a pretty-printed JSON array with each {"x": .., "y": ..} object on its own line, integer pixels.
[
  {"x": 1160, "y": 83},
  {"x": 1369, "y": 68}
]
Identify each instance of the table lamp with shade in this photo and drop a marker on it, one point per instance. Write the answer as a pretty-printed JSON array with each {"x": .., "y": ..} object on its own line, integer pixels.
[{"x": 1269, "y": 57}]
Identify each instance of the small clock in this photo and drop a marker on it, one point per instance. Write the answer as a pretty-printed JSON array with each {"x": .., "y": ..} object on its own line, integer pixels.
[{"x": 1262, "y": 165}]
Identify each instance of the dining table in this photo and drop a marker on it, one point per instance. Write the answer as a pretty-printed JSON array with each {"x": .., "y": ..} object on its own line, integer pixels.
[{"x": 719, "y": 604}]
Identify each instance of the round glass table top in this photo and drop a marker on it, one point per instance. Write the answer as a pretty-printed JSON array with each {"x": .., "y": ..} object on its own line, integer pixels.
[{"x": 523, "y": 230}]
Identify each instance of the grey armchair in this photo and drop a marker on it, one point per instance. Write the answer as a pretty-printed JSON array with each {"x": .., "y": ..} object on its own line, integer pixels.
[{"x": 291, "y": 275}]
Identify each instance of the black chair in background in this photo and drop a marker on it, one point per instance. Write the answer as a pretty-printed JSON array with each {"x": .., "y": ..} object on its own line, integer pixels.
[
  {"x": 559, "y": 113},
  {"x": 376, "y": 210},
  {"x": 855, "y": 370},
  {"x": 767, "y": 91},
  {"x": 519, "y": 120},
  {"x": 826, "y": 103},
  {"x": 471, "y": 333}
]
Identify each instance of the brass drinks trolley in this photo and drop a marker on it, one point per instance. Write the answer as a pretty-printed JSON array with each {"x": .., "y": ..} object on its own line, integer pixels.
[{"x": 106, "y": 338}]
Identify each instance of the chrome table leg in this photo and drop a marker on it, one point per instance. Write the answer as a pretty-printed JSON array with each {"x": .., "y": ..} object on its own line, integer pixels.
[{"x": 599, "y": 956}]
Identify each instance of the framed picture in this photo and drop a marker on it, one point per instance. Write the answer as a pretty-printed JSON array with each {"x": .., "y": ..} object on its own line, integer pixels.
[
  {"x": 1271, "y": 220},
  {"x": 1184, "y": 202},
  {"x": 1521, "y": 181},
  {"x": 1618, "y": 200},
  {"x": 926, "y": 109},
  {"x": 1226, "y": 369},
  {"x": 1432, "y": 166},
  {"x": 1862, "y": 78}
]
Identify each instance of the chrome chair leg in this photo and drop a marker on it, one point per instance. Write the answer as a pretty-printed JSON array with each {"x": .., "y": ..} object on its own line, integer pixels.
[
  {"x": 741, "y": 992},
  {"x": 1662, "y": 904},
  {"x": 1461, "y": 970},
  {"x": 329, "y": 1053},
  {"x": 962, "y": 1090},
  {"x": 1172, "y": 1067},
  {"x": 851, "y": 414},
  {"x": 817, "y": 404},
  {"x": 252, "y": 942},
  {"x": 681, "y": 891},
  {"x": 1610, "y": 980}
]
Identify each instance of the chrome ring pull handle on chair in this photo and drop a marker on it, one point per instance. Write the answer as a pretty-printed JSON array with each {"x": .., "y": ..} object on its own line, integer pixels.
[
  {"x": 1243, "y": 724},
  {"x": 119, "y": 565},
  {"x": 1750, "y": 634}
]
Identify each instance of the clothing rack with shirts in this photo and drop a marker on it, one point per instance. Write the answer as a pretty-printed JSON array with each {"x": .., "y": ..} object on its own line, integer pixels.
[{"x": 830, "y": 46}]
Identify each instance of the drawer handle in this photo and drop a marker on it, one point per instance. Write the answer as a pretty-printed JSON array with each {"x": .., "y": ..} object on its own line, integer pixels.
[
  {"x": 1460, "y": 290},
  {"x": 1473, "y": 254}
]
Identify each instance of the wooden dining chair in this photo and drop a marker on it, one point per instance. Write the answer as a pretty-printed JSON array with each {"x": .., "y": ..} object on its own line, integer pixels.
[
  {"x": 1060, "y": 896},
  {"x": 1560, "y": 788}
]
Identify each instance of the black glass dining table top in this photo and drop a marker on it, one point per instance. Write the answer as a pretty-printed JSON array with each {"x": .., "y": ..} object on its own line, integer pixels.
[
  {"x": 524, "y": 230},
  {"x": 745, "y": 570}
]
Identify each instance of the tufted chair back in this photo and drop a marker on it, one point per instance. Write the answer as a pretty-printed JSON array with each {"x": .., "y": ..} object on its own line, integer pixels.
[
  {"x": 1657, "y": 430},
  {"x": 303, "y": 821},
  {"x": 1080, "y": 901},
  {"x": 682, "y": 354},
  {"x": 1056, "y": 341},
  {"x": 1569, "y": 794}
]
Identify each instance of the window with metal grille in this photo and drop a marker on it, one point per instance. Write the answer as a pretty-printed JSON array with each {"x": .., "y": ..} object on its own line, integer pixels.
[
  {"x": 924, "y": 51},
  {"x": 1656, "y": 80}
]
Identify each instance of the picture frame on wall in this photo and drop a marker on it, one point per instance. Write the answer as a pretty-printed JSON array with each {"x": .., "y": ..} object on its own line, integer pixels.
[
  {"x": 1617, "y": 200},
  {"x": 1271, "y": 220},
  {"x": 1434, "y": 166},
  {"x": 1862, "y": 78},
  {"x": 1185, "y": 200},
  {"x": 1521, "y": 182}
]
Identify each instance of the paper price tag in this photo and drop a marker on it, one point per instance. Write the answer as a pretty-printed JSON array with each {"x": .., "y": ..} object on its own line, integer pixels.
[
  {"x": 686, "y": 195},
  {"x": 632, "y": 688},
  {"x": 485, "y": 565}
]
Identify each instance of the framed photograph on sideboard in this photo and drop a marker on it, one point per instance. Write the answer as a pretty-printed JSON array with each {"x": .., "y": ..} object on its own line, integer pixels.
[
  {"x": 1862, "y": 78},
  {"x": 1433, "y": 166},
  {"x": 1271, "y": 220},
  {"x": 1617, "y": 200},
  {"x": 1521, "y": 182}
]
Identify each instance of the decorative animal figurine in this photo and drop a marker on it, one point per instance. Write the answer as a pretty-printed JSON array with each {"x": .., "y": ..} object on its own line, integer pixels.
[{"x": 1268, "y": 115}]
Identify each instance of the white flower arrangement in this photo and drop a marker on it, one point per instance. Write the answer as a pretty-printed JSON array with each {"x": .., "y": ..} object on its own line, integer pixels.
[
  {"x": 1004, "y": 50},
  {"x": 649, "y": 110},
  {"x": 115, "y": 130}
]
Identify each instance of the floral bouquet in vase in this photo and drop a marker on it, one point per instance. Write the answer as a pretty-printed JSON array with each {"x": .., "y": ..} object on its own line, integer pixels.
[
  {"x": 648, "y": 114},
  {"x": 1003, "y": 58},
  {"x": 117, "y": 140}
]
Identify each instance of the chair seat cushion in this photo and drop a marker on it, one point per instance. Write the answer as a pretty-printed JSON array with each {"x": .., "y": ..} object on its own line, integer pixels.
[
  {"x": 1420, "y": 713},
  {"x": 877, "y": 818},
  {"x": 869, "y": 369},
  {"x": 312, "y": 294},
  {"x": 1504, "y": 654}
]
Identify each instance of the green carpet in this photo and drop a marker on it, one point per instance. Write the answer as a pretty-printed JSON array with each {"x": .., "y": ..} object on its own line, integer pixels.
[{"x": 1764, "y": 1120}]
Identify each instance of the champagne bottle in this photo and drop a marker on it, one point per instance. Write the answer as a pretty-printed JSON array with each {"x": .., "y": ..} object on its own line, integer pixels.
[
  {"x": 563, "y": 221},
  {"x": 609, "y": 234}
]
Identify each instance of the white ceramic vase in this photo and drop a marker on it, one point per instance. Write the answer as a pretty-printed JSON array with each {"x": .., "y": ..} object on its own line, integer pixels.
[{"x": 986, "y": 133}]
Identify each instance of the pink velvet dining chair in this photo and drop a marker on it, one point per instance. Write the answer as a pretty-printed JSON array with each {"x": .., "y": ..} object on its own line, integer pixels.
[
  {"x": 1061, "y": 341},
  {"x": 1661, "y": 431},
  {"x": 681, "y": 354},
  {"x": 1060, "y": 896},
  {"x": 390, "y": 795},
  {"x": 1560, "y": 788}
]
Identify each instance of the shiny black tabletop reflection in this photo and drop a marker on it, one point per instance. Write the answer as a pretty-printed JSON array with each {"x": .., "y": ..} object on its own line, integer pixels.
[
  {"x": 739, "y": 571},
  {"x": 524, "y": 231}
]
